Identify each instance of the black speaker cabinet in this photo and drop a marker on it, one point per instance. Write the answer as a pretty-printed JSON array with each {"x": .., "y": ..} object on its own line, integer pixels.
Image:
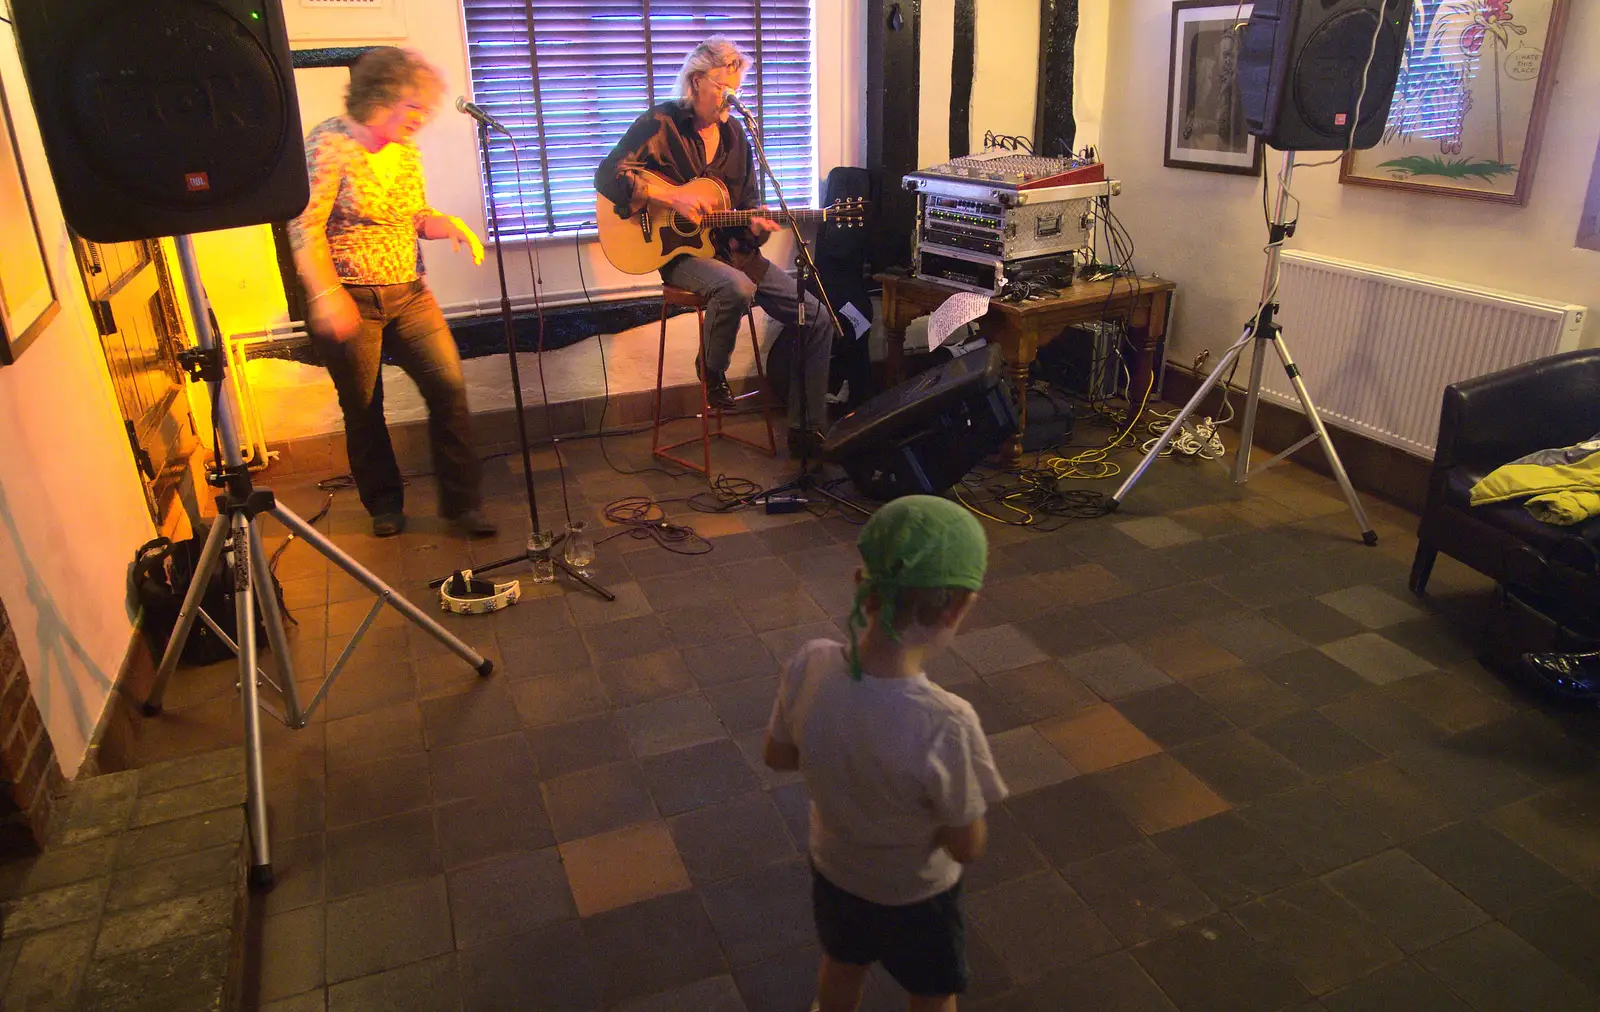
[
  {"x": 1301, "y": 65},
  {"x": 920, "y": 437},
  {"x": 163, "y": 117}
]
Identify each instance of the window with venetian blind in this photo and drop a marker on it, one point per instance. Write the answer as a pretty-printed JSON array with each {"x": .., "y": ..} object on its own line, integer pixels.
[{"x": 569, "y": 76}]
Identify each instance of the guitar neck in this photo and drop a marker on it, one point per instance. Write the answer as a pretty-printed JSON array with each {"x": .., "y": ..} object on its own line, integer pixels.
[{"x": 732, "y": 219}]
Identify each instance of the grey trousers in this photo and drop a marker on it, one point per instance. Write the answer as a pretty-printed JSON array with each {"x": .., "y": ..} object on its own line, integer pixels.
[{"x": 729, "y": 293}]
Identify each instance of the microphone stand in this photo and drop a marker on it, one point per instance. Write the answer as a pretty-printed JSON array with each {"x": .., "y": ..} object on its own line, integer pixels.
[
  {"x": 805, "y": 268},
  {"x": 506, "y": 319}
]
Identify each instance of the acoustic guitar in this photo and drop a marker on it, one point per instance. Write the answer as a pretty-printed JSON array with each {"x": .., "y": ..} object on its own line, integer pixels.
[{"x": 645, "y": 240}]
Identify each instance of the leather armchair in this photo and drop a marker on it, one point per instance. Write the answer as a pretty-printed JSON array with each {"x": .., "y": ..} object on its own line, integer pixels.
[{"x": 1493, "y": 420}]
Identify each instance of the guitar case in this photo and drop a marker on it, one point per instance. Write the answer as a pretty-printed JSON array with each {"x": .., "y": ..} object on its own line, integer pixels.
[{"x": 842, "y": 265}]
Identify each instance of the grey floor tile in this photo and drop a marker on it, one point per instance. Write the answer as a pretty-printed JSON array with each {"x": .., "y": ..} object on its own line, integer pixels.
[
  {"x": 1138, "y": 892},
  {"x": 727, "y": 839},
  {"x": 509, "y": 895},
  {"x": 555, "y": 962},
  {"x": 1411, "y": 905},
  {"x": 1325, "y": 941},
  {"x": 427, "y": 986},
  {"x": 1037, "y": 924},
  {"x": 387, "y": 928},
  {"x": 651, "y": 946},
  {"x": 669, "y": 724},
  {"x": 1399, "y": 987},
  {"x": 1493, "y": 968},
  {"x": 1213, "y": 965},
  {"x": 762, "y": 912}
]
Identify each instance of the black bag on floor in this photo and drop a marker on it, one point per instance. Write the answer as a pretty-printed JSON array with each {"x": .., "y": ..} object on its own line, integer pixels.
[{"x": 162, "y": 572}]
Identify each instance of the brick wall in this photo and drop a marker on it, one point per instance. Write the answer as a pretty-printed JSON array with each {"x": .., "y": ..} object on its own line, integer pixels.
[{"x": 30, "y": 777}]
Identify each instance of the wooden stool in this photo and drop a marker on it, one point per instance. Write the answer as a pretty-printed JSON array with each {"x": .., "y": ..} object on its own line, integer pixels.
[{"x": 673, "y": 296}]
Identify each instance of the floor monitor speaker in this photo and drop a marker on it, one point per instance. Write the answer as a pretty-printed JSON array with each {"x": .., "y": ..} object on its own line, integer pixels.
[
  {"x": 165, "y": 117},
  {"x": 921, "y": 436},
  {"x": 1301, "y": 67}
]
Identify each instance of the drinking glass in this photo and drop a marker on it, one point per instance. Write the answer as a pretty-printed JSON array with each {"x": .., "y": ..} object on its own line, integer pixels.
[
  {"x": 580, "y": 546},
  {"x": 539, "y": 544}
]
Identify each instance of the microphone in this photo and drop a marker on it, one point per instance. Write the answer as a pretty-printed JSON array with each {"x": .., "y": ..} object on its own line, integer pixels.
[
  {"x": 474, "y": 110},
  {"x": 731, "y": 97}
]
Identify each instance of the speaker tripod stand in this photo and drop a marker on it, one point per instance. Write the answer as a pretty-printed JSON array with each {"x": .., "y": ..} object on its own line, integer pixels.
[
  {"x": 1262, "y": 331},
  {"x": 236, "y": 533}
]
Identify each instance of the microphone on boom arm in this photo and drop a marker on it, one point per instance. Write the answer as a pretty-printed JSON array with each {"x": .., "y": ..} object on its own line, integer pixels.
[{"x": 476, "y": 111}]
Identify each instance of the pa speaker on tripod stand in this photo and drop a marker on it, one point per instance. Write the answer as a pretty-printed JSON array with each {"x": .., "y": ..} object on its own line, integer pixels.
[{"x": 1314, "y": 75}]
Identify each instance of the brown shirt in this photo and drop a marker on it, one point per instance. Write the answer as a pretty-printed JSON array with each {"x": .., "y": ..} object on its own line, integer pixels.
[
  {"x": 372, "y": 218},
  {"x": 664, "y": 141}
]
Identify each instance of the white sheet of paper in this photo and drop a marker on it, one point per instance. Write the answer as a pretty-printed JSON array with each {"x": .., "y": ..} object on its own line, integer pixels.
[
  {"x": 954, "y": 313},
  {"x": 858, "y": 321}
]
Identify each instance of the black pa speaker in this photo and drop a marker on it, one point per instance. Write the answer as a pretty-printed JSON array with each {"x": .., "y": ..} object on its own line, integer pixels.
[
  {"x": 163, "y": 117},
  {"x": 920, "y": 437},
  {"x": 1301, "y": 65}
]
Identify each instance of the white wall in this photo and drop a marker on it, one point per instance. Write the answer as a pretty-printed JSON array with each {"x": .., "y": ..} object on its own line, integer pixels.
[
  {"x": 1205, "y": 231},
  {"x": 72, "y": 510}
]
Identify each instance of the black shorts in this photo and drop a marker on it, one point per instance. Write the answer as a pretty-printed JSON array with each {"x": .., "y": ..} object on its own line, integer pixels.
[{"x": 922, "y": 945}]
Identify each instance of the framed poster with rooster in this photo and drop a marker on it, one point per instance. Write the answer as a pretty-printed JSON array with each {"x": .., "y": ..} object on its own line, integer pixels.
[{"x": 1469, "y": 107}]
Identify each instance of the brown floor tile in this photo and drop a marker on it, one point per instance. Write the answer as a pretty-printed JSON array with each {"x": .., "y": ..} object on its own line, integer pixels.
[
  {"x": 1158, "y": 794},
  {"x": 596, "y": 800},
  {"x": 1097, "y": 738},
  {"x": 1184, "y": 653},
  {"x": 624, "y": 866}
]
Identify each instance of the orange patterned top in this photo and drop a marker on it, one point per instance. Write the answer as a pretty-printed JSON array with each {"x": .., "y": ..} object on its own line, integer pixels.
[{"x": 371, "y": 208}]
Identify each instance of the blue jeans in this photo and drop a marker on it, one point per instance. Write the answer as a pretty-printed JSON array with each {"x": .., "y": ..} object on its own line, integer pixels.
[
  {"x": 729, "y": 292},
  {"x": 405, "y": 320}
]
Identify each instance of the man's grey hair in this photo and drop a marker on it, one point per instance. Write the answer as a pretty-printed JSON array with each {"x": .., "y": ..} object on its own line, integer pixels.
[{"x": 717, "y": 51}]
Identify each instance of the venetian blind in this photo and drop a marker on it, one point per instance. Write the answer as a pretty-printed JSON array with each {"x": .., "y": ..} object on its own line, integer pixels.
[{"x": 594, "y": 65}]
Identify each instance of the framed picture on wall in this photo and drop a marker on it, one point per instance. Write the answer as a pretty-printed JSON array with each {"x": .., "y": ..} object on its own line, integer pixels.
[
  {"x": 1469, "y": 108},
  {"x": 27, "y": 295},
  {"x": 1205, "y": 108}
]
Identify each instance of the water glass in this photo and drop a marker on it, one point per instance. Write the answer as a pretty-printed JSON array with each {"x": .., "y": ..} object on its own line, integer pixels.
[
  {"x": 539, "y": 544},
  {"x": 580, "y": 546}
]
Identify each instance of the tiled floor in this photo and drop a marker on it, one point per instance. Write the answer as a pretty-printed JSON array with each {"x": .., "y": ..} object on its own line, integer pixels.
[{"x": 1251, "y": 772}]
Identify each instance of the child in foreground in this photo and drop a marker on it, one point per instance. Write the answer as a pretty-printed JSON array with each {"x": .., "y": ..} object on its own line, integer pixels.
[{"x": 898, "y": 769}]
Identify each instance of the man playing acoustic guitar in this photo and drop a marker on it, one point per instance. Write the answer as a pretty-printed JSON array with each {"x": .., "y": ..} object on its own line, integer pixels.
[{"x": 691, "y": 137}]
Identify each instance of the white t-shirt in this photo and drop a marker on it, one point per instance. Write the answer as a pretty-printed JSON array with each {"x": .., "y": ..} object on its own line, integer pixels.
[{"x": 888, "y": 761}]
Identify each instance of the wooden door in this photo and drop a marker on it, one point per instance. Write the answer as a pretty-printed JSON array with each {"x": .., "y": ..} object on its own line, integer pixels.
[{"x": 141, "y": 332}]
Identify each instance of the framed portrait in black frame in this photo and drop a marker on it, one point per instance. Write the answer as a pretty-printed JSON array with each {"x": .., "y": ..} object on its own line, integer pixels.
[
  {"x": 1205, "y": 108},
  {"x": 27, "y": 294}
]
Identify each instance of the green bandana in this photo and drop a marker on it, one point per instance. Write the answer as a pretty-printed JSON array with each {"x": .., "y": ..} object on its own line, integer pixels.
[{"x": 915, "y": 541}]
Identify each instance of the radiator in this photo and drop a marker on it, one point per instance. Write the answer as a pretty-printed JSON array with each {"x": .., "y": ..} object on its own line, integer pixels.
[{"x": 1377, "y": 347}]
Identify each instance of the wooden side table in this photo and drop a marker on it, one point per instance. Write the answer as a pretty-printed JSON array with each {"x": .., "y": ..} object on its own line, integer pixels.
[{"x": 1022, "y": 328}]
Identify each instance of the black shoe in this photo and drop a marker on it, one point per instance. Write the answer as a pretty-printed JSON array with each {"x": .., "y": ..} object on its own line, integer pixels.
[
  {"x": 718, "y": 394},
  {"x": 1576, "y": 676},
  {"x": 805, "y": 444},
  {"x": 473, "y": 524},
  {"x": 387, "y": 525}
]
